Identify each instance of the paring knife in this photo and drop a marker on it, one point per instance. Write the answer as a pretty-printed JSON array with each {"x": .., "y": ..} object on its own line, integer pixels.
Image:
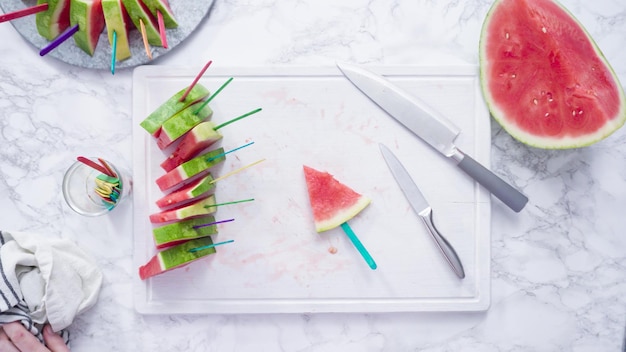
[
  {"x": 422, "y": 208},
  {"x": 432, "y": 127}
]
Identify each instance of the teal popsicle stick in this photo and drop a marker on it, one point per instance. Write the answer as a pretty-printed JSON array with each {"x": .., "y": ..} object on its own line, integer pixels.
[
  {"x": 359, "y": 246},
  {"x": 210, "y": 246},
  {"x": 114, "y": 52}
]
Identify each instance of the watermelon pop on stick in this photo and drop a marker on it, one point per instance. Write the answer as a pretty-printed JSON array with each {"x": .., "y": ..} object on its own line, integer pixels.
[{"x": 333, "y": 204}]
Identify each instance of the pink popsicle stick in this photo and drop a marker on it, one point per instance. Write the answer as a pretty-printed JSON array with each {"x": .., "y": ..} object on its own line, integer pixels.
[
  {"x": 24, "y": 12},
  {"x": 94, "y": 165},
  {"x": 195, "y": 81},
  {"x": 162, "y": 29}
]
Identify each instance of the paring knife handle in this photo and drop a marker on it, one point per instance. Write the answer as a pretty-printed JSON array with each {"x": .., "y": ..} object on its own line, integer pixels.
[
  {"x": 446, "y": 248},
  {"x": 513, "y": 198}
]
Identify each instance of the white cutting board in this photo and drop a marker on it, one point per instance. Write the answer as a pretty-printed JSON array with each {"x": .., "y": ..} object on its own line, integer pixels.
[{"x": 316, "y": 117}]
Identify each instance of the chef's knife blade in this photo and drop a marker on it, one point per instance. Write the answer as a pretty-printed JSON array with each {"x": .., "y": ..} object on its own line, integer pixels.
[
  {"x": 432, "y": 127},
  {"x": 422, "y": 208}
]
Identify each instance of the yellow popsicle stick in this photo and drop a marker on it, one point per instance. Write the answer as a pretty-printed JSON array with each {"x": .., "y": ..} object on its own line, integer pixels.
[{"x": 236, "y": 171}]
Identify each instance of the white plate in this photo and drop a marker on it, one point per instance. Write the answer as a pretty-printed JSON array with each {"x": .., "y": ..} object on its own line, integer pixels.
[
  {"x": 189, "y": 14},
  {"x": 278, "y": 263}
]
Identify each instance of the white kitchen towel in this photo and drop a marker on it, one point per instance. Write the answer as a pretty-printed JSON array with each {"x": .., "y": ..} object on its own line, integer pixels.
[{"x": 45, "y": 280}]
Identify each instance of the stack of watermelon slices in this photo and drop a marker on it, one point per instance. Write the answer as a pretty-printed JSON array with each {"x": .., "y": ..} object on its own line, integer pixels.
[
  {"x": 186, "y": 218},
  {"x": 92, "y": 16}
]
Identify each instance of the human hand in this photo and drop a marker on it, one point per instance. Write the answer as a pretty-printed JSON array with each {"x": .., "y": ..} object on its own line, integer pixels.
[{"x": 15, "y": 338}]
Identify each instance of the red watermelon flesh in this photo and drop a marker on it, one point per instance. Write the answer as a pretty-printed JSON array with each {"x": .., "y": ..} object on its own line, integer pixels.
[
  {"x": 90, "y": 19},
  {"x": 544, "y": 79},
  {"x": 182, "y": 231},
  {"x": 195, "y": 141},
  {"x": 52, "y": 22},
  {"x": 201, "y": 207},
  {"x": 188, "y": 171},
  {"x": 176, "y": 257},
  {"x": 195, "y": 190},
  {"x": 332, "y": 202}
]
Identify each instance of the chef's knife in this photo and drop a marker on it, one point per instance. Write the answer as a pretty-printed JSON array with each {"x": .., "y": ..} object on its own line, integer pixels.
[
  {"x": 432, "y": 127},
  {"x": 422, "y": 208}
]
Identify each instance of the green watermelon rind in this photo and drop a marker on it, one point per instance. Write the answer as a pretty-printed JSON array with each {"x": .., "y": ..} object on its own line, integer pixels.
[
  {"x": 343, "y": 215},
  {"x": 136, "y": 11},
  {"x": 183, "y": 230},
  {"x": 168, "y": 16},
  {"x": 47, "y": 22},
  {"x": 115, "y": 22},
  {"x": 81, "y": 12},
  {"x": 540, "y": 141},
  {"x": 153, "y": 122}
]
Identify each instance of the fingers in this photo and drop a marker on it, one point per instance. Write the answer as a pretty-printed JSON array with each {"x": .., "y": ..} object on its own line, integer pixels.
[
  {"x": 22, "y": 338},
  {"x": 5, "y": 343},
  {"x": 54, "y": 342}
]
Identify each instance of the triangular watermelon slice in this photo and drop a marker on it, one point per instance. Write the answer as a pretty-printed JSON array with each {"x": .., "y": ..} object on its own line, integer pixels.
[
  {"x": 54, "y": 20},
  {"x": 332, "y": 202},
  {"x": 117, "y": 20},
  {"x": 90, "y": 19}
]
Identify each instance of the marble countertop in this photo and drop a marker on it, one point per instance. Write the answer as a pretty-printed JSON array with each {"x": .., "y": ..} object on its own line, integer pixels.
[{"x": 558, "y": 267}]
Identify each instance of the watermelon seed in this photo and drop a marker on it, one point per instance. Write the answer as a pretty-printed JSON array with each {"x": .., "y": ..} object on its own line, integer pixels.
[
  {"x": 506, "y": 35},
  {"x": 535, "y": 101},
  {"x": 543, "y": 29}
]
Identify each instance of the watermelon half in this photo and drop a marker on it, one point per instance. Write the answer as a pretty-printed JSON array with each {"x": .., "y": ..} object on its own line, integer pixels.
[
  {"x": 543, "y": 77},
  {"x": 332, "y": 202},
  {"x": 90, "y": 19}
]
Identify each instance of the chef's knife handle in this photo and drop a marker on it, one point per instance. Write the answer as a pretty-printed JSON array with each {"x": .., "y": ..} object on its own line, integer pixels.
[{"x": 513, "y": 198}]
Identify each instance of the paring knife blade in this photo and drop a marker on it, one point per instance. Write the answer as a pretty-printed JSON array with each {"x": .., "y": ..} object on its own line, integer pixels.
[
  {"x": 432, "y": 127},
  {"x": 422, "y": 208}
]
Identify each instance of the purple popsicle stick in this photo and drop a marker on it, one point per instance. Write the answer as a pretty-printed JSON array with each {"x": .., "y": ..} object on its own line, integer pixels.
[{"x": 58, "y": 40}]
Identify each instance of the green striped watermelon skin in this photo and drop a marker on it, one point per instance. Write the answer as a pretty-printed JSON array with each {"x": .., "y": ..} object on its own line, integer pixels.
[{"x": 176, "y": 257}]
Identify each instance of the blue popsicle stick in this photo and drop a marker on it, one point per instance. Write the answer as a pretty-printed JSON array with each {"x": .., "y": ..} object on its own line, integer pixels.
[{"x": 359, "y": 246}]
